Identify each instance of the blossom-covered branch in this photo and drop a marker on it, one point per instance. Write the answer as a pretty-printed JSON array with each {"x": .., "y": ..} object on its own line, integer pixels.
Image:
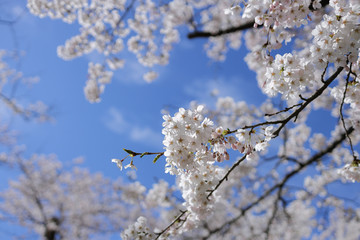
[{"x": 280, "y": 185}]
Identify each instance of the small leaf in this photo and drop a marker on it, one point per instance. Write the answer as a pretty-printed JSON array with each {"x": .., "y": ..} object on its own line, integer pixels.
[
  {"x": 143, "y": 154},
  {"x": 131, "y": 153},
  {"x": 157, "y": 157}
]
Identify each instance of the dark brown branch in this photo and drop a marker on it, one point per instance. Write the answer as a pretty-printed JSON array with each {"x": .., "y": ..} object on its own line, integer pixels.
[
  {"x": 226, "y": 176},
  {"x": 309, "y": 100},
  {"x": 178, "y": 218},
  {"x": 315, "y": 158},
  {"x": 322, "y": 2},
  {"x": 273, "y": 215},
  {"x": 283, "y": 123},
  {"x": 297, "y": 112},
  {"x": 244, "y": 26},
  {"x": 199, "y": 34},
  {"x": 323, "y": 74},
  {"x": 342, "y": 116},
  {"x": 284, "y": 110}
]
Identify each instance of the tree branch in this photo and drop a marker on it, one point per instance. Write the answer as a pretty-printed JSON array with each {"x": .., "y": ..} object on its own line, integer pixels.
[
  {"x": 302, "y": 106},
  {"x": 309, "y": 100},
  {"x": 199, "y": 34},
  {"x": 226, "y": 176},
  {"x": 341, "y": 113},
  {"x": 244, "y": 26},
  {"x": 178, "y": 218},
  {"x": 315, "y": 158}
]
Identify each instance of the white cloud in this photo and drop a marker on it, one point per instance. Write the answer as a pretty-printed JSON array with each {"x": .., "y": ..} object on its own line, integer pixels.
[
  {"x": 18, "y": 10},
  {"x": 133, "y": 72},
  {"x": 115, "y": 122},
  {"x": 146, "y": 135},
  {"x": 202, "y": 90},
  {"x": 21, "y": 14}
]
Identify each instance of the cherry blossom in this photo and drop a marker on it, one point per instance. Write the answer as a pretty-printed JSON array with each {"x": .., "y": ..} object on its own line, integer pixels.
[{"x": 241, "y": 171}]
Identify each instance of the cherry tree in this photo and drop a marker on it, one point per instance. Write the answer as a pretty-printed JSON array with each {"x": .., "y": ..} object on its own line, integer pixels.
[
  {"x": 229, "y": 182},
  {"x": 54, "y": 200},
  {"x": 13, "y": 82}
]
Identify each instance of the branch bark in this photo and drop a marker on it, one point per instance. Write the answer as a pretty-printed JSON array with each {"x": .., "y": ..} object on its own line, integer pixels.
[
  {"x": 200, "y": 34},
  {"x": 244, "y": 26},
  {"x": 315, "y": 158}
]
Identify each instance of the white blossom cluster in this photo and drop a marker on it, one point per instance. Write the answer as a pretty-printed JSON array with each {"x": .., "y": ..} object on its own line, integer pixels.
[
  {"x": 186, "y": 137},
  {"x": 343, "y": 225},
  {"x": 289, "y": 76},
  {"x": 195, "y": 187},
  {"x": 317, "y": 184},
  {"x": 187, "y": 155},
  {"x": 253, "y": 141},
  {"x": 336, "y": 38},
  {"x": 147, "y": 28},
  {"x": 133, "y": 192},
  {"x": 297, "y": 138},
  {"x": 350, "y": 172},
  {"x": 138, "y": 231},
  {"x": 192, "y": 145},
  {"x": 95, "y": 85},
  {"x": 278, "y": 13},
  {"x": 231, "y": 114},
  {"x": 108, "y": 26},
  {"x": 158, "y": 195}
]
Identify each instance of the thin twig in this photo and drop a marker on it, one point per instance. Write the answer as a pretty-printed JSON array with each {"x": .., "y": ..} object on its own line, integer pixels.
[
  {"x": 226, "y": 176},
  {"x": 323, "y": 74},
  {"x": 315, "y": 158},
  {"x": 133, "y": 154},
  {"x": 342, "y": 116},
  {"x": 273, "y": 215},
  {"x": 171, "y": 224},
  {"x": 199, "y": 34},
  {"x": 244, "y": 26},
  {"x": 309, "y": 100},
  {"x": 284, "y": 110},
  {"x": 295, "y": 114}
]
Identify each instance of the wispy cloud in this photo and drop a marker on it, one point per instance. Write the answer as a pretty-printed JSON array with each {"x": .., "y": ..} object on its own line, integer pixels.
[
  {"x": 133, "y": 72},
  {"x": 21, "y": 13},
  {"x": 115, "y": 122},
  {"x": 145, "y": 134},
  {"x": 204, "y": 91}
]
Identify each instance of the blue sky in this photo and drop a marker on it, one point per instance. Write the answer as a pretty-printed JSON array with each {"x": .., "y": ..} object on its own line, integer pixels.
[{"x": 129, "y": 115}]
